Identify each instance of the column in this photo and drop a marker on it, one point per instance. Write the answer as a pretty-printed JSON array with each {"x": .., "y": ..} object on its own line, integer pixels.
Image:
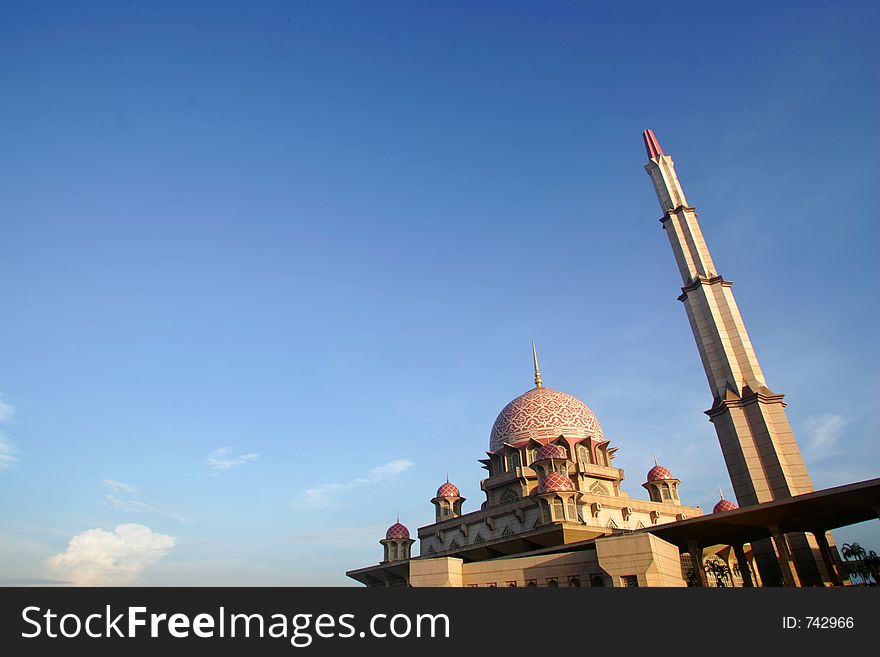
[
  {"x": 828, "y": 558},
  {"x": 789, "y": 576},
  {"x": 744, "y": 569}
]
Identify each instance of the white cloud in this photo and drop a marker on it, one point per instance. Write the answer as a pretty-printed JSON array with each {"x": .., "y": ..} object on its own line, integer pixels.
[
  {"x": 126, "y": 497},
  {"x": 321, "y": 496},
  {"x": 100, "y": 558},
  {"x": 6, "y": 410},
  {"x": 822, "y": 433},
  {"x": 7, "y": 452},
  {"x": 223, "y": 458}
]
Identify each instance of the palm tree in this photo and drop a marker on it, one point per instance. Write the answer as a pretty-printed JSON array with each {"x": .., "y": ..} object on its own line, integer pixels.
[
  {"x": 856, "y": 553},
  {"x": 872, "y": 566},
  {"x": 720, "y": 571}
]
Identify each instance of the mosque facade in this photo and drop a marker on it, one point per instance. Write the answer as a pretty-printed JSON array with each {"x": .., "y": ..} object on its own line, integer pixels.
[{"x": 554, "y": 512}]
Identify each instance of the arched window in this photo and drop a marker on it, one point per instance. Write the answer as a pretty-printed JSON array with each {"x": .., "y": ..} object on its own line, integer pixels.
[
  {"x": 557, "y": 508},
  {"x": 553, "y": 582},
  {"x": 665, "y": 490},
  {"x": 574, "y": 581},
  {"x": 531, "y": 582},
  {"x": 583, "y": 454},
  {"x": 545, "y": 510},
  {"x": 508, "y": 496},
  {"x": 597, "y": 581},
  {"x": 572, "y": 509},
  {"x": 392, "y": 552},
  {"x": 513, "y": 460}
]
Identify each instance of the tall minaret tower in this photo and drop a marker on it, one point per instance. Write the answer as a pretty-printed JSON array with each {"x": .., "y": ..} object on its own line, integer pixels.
[{"x": 759, "y": 448}]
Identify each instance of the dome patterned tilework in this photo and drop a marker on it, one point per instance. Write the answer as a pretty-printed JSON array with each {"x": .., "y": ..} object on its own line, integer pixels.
[
  {"x": 448, "y": 490},
  {"x": 555, "y": 482},
  {"x": 397, "y": 531},
  {"x": 724, "y": 505},
  {"x": 659, "y": 473},
  {"x": 544, "y": 414}
]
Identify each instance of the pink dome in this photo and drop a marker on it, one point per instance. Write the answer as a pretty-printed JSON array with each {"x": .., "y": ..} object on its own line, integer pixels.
[
  {"x": 550, "y": 451},
  {"x": 555, "y": 482},
  {"x": 544, "y": 414},
  {"x": 397, "y": 531},
  {"x": 724, "y": 505},
  {"x": 448, "y": 490},
  {"x": 659, "y": 473}
]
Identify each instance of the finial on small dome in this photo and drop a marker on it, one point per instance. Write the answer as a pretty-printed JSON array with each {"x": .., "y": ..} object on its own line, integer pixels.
[
  {"x": 655, "y": 460},
  {"x": 538, "y": 382},
  {"x": 398, "y": 515},
  {"x": 721, "y": 492}
]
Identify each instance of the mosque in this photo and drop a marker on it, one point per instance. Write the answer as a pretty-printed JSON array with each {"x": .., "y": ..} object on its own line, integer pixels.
[{"x": 555, "y": 514}]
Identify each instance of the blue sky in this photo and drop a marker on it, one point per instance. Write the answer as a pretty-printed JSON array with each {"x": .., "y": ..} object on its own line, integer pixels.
[{"x": 270, "y": 270}]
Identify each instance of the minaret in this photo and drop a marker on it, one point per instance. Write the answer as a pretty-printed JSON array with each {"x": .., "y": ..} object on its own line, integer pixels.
[{"x": 762, "y": 456}]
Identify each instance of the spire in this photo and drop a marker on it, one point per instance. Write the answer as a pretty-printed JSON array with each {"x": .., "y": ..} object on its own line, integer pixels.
[
  {"x": 538, "y": 382},
  {"x": 721, "y": 493},
  {"x": 655, "y": 460},
  {"x": 651, "y": 144},
  {"x": 661, "y": 168}
]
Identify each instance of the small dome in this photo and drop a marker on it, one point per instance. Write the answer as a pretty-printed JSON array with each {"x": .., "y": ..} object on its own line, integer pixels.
[
  {"x": 724, "y": 505},
  {"x": 659, "y": 473},
  {"x": 555, "y": 482},
  {"x": 397, "y": 531},
  {"x": 448, "y": 490},
  {"x": 550, "y": 451}
]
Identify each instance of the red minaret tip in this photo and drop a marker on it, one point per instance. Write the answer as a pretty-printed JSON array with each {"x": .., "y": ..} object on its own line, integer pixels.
[{"x": 651, "y": 144}]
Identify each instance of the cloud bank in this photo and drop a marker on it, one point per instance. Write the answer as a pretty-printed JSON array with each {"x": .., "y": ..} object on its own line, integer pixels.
[{"x": 100, "y": 558}]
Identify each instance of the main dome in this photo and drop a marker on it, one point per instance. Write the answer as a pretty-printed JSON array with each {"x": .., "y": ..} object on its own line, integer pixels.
[{"x": 544, "y": 414}]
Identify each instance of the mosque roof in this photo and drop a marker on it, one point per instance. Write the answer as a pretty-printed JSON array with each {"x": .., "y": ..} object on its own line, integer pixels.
[
  {"x": 550, "y": 451},
  {"x": 544, "y": 414},
  {"x": 397, "y": 531},
  {"x": 555, "y": 482},
  {"x": 724, "y": 505},
  {"x": 659, "y": 473},
  {"x": 448, "y": 490}
]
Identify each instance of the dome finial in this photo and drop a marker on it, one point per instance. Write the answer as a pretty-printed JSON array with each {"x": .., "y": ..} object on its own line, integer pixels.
[
  {"x": 721, "y": 492},
  {"x": 538, "y": 382},
  {"x": 655, "y": 460}
]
